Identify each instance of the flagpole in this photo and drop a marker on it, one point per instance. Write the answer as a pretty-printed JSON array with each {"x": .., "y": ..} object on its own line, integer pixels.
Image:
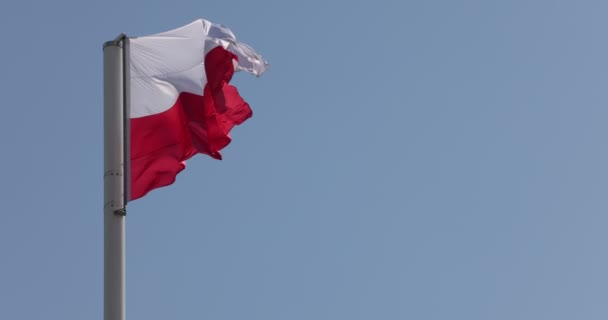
[{"x": 115, "y": 171}]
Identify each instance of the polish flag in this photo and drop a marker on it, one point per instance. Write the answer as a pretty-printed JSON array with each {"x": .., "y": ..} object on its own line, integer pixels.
[{"x": 181, "y": 102}]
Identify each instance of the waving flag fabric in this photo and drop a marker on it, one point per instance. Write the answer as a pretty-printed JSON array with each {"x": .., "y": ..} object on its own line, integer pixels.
[{"x": 181, "y": 102}]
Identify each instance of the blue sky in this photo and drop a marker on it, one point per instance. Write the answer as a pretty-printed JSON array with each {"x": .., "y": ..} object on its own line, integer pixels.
[{"x": 406, "y": 160}]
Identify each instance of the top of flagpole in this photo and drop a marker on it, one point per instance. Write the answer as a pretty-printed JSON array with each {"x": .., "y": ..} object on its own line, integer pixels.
[
  {"x": 122, "y": 41},
  {"x": 116, "y": 42}
]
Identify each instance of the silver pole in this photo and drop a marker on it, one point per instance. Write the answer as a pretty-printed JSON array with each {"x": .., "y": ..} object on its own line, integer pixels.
[{"x": 115, "y": 157}]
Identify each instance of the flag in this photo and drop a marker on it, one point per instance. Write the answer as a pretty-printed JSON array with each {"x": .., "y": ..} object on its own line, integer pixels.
[{"x": 181, "y": 102}]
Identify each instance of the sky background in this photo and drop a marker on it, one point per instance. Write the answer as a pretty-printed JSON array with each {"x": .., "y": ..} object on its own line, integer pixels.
[{"x": 406, "y": 160}]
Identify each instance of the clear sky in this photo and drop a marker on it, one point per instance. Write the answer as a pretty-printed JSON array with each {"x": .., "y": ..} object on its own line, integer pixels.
[{"x": 406, "y": 160}]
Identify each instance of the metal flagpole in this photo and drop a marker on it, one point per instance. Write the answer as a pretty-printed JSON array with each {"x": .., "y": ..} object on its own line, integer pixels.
[{"x": 116, "y": 158}]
